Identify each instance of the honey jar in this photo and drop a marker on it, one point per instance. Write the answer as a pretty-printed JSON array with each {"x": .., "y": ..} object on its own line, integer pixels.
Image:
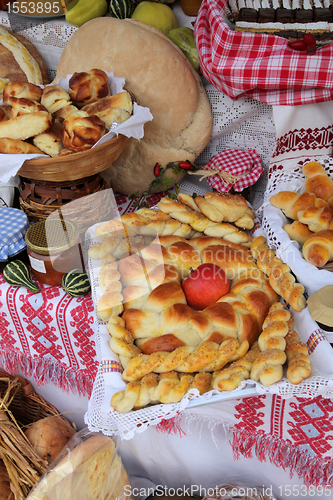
[{"x": 53, "y": 248}]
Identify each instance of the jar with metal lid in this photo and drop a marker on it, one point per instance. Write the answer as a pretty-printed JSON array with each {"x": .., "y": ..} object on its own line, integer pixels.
[{"x": 53, "y": 248}]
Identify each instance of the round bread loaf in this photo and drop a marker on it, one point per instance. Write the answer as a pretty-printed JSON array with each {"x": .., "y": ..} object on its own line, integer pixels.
[
  {"x": 161, "y": 78},
  {"x": 18, "y": 65}
]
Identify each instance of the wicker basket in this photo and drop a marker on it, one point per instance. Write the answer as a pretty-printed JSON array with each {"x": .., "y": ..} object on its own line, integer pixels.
[
  {"x": 76, "y": 165},
  {"x": 38, "y": 199},
  {"x": 20, "y": 406}
]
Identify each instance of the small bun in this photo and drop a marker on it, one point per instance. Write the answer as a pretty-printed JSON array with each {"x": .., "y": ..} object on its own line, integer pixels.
[
  {"x": 81, "y": 132},
  {"x": 22, "y": 89},
  {"x": 88, "y": 86},
  {"x": 21, "y": 106},
  {"x": 114, "y": 108},
  {"x": 16, "y": 146},
  {"x": 54, "y": 98}
]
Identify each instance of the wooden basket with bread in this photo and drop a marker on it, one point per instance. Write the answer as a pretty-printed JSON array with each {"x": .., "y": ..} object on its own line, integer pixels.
[{"x": 65, "y": 125}]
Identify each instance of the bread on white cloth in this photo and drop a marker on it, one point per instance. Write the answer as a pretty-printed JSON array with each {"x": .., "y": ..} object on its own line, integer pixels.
[
  {"x": 93, "y": 470},
  {"x": 161, "y": 78}
]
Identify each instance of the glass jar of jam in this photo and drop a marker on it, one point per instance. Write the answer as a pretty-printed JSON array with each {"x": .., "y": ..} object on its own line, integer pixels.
[{"x": 53, "y": 248}]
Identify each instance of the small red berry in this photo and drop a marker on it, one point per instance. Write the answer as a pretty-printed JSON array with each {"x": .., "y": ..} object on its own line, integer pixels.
[
  {"x": 309, "y": 39},
  {"x": 157, "y": 170},
  {"x": 298, "y": 45}
]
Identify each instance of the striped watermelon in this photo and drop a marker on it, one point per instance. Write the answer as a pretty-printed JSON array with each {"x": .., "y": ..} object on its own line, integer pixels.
[
  {"x": 75, "y": 283},
  {"x": 121, "y": 9}
]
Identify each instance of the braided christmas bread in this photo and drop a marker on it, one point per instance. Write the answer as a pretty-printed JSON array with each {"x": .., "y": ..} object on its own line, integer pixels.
[
  {"x": 165, "y": 388},
  {"x": 200, "y": 214},
  {"x": 280, "y": 276}
]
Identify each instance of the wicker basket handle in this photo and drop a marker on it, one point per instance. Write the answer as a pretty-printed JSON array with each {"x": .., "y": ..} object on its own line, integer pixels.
[{"x": 27, "y": 388}]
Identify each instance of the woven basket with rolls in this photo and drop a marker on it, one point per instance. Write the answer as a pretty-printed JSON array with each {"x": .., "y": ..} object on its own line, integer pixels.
[
  {"x": 77, "y": 165},
  {"x": 20, "y": 466}
]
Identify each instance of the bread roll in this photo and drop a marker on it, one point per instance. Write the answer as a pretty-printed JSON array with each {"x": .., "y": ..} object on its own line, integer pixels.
[
  {"x": 54, "y": 98},
  {"x": 49, "y": 436},
  {"x": 21, "y": 106},
  {"x": 297, "y": 231},
  {"x": 115, "y": 108},
  {"x": 318, "y": 248},
  {"x": 161, "y": 78},
  {"x": 16, "y": 146},
  {"x": 88, "y": 86},
  {"x": 20, "y": 60},
  {"x": 27, "y": 125},
  {"x": 50, "y": 142},
  {"x": 81, "y": 132},
  {"x": 291, "y": 203},
  {"x": 318, "y": 181},
  {"x": 22, "y": 90},
  {"x": 93, "y": 470}
]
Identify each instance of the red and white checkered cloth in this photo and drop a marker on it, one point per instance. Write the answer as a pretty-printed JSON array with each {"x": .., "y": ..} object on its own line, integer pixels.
[
  {"x": 258, "y": 65},
  {"x": 244, "y": 166}
]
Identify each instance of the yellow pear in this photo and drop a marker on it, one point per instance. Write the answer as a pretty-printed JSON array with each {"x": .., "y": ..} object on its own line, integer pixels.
[{"x": 158, "y": 15}]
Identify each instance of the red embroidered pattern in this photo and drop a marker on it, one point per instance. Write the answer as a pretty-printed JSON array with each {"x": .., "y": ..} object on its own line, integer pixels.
[
  {"x": 303, "y": 139},
  {"x": 249, "y": 415},
  {"x": 312, "y": 428}
]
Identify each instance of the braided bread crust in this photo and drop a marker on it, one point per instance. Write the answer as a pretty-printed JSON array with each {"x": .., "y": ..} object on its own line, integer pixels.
[
  {"x": 279, "y": 274},
  {"x": 165, "y": 388},
  {"x": 213, "y": 222}
]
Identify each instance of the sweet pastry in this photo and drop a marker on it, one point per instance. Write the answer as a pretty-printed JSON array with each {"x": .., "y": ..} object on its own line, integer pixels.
[
  {"x": 20, "y": 106},
  {"x": 291, "y": 203},
  {"x": 55, "y": 98},
  {"x": 286, "y": 19},
  {"x": 297, "y": 231},
  {"x": 80, "y": 131},
  {"x": 16, "y": 146},
  {"x": 86, "y": 87},
  {"x": 318, "y": 248},
  {"x": 116, "y": 108},
  {"x": 318, "y": 181},
  {"x": 22, "y": 90},
  {"x": 50, "y": 142},
  {"x": 27, "y": 125}
]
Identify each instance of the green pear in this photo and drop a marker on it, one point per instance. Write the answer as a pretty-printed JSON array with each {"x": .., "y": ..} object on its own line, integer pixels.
[
  {"x": 184, "y": 39},
  {"x": 158, "y": 15}
]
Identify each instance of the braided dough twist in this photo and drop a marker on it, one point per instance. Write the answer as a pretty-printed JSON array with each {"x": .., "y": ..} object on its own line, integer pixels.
[
  {"x": 279, "y": 274},
  {"x": 165, "y": 388},
  {"x": 201, "y": 214},
  {"x": 232, "y": 376},
  {"x": 268, "y": 365}
]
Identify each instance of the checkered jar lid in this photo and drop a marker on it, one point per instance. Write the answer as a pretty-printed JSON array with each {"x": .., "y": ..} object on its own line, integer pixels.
[{"x": 13, "y": 226}]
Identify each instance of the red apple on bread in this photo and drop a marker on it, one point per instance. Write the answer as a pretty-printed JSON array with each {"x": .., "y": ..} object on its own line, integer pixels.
[{"x": 205, "y": 285}]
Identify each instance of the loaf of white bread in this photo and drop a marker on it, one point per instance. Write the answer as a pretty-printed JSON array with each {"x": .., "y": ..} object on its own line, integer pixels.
[
  {"x": 93, "y": 469},
  {"x": 20, "y": 60}
]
